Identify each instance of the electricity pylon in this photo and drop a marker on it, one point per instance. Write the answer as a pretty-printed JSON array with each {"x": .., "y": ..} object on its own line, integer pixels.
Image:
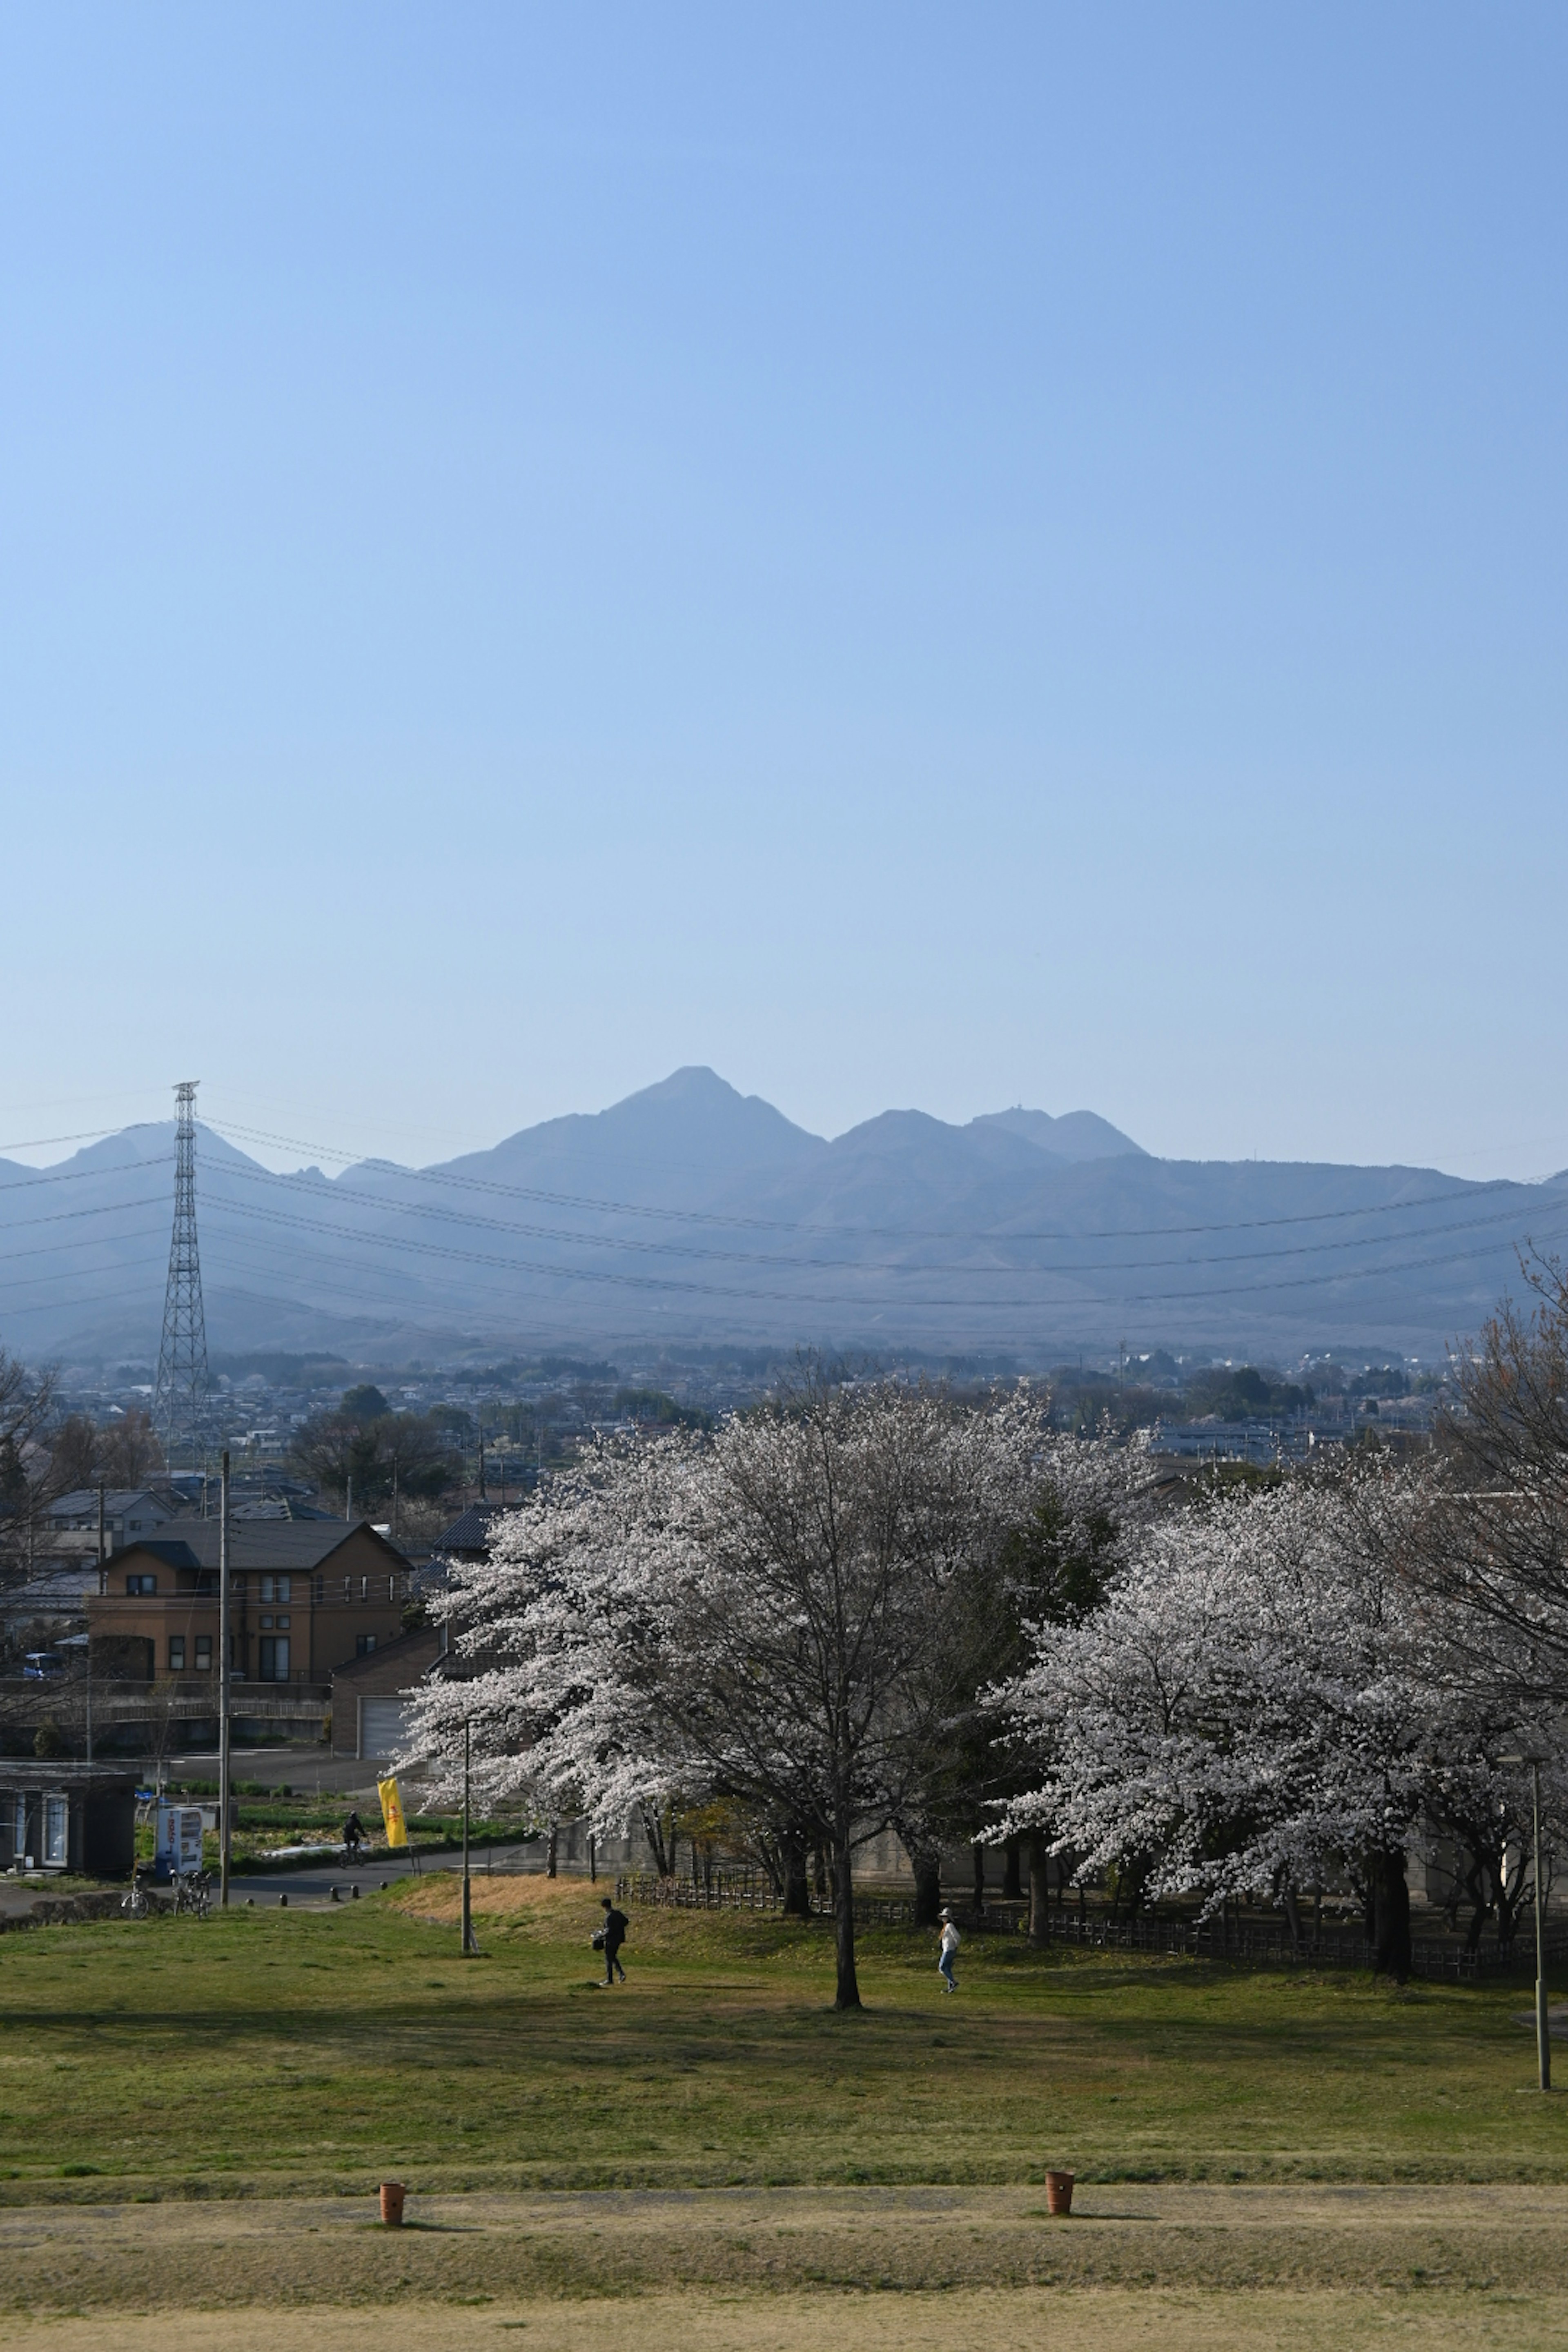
[{"x": 180, "y": 1400}]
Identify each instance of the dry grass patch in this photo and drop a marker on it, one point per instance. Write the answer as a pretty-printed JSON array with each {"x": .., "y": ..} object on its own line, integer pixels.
[
  {"x": 437, "y": 1897},
  {"x": 1077, "y": 2321}
]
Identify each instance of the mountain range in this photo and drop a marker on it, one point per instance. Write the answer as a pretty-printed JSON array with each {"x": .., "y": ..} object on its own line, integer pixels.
[{"x": 689, "y": 1212}]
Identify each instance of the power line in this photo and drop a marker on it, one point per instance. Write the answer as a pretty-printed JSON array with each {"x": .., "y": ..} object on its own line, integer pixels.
[
  {"x": 88, "y": 1135},
  {"x": 597, "y": 1207},
  {"x": 605, "y": 1275},
  {"x": 438, "y": 1211},
  {"x": 77, "y": 1175},
  {"x": 72, "y": 1216},
  {"x": 99, "y": 1297},
  {"x": 48, "y": 1249}
]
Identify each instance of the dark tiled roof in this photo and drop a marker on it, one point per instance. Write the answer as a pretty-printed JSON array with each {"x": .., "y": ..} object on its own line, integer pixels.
[
  {"x": 470, "y": 1530},
  {"x": 255, "y": 1543},
  {"x": 53, "y": 1590},
  {"x": 117, "y": 1501},
  {"x": 274, "y": 1507},
  {"x": 419, "y": 1649}
]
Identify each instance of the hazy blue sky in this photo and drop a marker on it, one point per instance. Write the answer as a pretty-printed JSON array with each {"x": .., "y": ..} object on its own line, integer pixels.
[{"x": 920, "y": 556}]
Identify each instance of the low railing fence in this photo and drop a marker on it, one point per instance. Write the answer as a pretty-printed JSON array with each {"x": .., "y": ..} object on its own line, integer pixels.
[{"x": 1249, "y": 1942}]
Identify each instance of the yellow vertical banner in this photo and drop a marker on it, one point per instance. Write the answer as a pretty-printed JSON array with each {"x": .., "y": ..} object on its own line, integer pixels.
[{"x": 391, "y": 1812}]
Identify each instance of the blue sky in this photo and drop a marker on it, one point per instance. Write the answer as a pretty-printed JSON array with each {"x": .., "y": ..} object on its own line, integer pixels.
[{"x": 917, "y": 557}]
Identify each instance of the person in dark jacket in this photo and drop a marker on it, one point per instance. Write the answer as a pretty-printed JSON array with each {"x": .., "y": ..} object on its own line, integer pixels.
[{"x": 611, "y": 1937}]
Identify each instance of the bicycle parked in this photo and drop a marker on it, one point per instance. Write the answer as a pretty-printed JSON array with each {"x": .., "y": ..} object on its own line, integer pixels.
[
  {"x": 192, "y": 1893},
  {"x": 135, "y": 1904}
]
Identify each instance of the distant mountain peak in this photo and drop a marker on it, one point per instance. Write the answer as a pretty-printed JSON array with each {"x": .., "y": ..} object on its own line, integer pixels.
[{"x": 1077, "y": 1135}]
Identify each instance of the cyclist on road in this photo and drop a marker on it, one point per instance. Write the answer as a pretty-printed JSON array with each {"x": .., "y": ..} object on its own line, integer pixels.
[{"x": 353, "y": 1837}]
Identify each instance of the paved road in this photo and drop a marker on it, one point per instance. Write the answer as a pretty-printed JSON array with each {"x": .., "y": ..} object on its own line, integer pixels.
[{"x": 311, "y": 1884}]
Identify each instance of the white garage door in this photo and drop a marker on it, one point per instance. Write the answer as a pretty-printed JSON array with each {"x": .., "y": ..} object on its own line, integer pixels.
[{"x": 382, "y": 1726}]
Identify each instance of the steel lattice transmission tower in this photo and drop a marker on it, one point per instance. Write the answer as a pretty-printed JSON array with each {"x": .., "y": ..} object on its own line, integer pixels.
[{"x": 180, "y": 1401}]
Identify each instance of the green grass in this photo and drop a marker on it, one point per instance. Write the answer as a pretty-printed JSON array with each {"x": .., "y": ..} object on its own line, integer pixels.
[{"x": 277, "y": 2049}]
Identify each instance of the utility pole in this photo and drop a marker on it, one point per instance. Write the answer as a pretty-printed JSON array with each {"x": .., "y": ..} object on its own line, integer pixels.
[
  {"x": 1543, "y": 2022},
  {"x": 102, "y": 1557},
  {"x": 470, "y": 1949},
  {"x": 223, "y": 1638}
]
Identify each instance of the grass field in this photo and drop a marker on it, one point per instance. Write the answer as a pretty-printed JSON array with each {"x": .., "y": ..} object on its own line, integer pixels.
[
  {"x": 194, "y": 2115},
  {"x": 274, "y": 2051}
]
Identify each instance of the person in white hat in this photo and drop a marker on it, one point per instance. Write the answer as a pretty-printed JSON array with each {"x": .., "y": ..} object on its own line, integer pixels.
[{"x": 949, "y": 1941}]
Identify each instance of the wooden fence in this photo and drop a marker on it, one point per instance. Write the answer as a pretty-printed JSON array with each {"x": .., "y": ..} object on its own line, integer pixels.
[{"x": 1249, "y": 1942}]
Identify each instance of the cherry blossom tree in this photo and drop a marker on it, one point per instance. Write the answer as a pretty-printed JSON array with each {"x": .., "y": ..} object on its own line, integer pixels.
[
  {"x": 768, "y": 1616},
  {"x": 1266, "y": 1702}
]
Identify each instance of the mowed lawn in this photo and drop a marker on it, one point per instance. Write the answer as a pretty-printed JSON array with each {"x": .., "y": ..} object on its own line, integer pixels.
[{"x": 280, "y": 2049}]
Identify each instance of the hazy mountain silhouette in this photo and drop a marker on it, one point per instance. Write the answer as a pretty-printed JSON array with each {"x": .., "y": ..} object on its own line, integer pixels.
[{"x": 691, "y": 1211}]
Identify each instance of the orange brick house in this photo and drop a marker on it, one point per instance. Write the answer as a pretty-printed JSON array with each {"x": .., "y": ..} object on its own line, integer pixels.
[{"x": 305, "y": 1596}]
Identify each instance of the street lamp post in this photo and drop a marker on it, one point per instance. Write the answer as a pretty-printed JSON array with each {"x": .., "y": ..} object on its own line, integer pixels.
[
  {"x": 1542, "y": 2024},
  {"x": 1542, "y": 2021},
  {"x": 225, "y": 1760},
  {"x": 471, "y": 1947}
]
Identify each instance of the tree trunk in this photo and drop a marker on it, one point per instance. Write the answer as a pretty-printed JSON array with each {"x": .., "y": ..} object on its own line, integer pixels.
[
  {"x": 979, "y": 1851},
  {"x": 653, "y": 1830},
  {"x": 1039, "y": 1893},
  {"x": 848, "y": 1995},
  {"x": 1294, "y": 1914},
  {"x": 1012, "y": 1883},
  {"x": 797, "y": 1887},
  {"x": 550, "y": 1856},
  {"x": 1391, "y": 1905},
  {"x": 927, "y": 1864}
]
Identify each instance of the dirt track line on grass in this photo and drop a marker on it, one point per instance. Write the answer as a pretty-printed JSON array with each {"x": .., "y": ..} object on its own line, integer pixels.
[
  {"x": 294, "y": 2252},
  {"x": 1148, "y": 2320}
]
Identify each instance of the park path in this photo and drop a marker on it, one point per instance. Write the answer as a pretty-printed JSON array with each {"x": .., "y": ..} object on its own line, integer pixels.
[{"x": 476, "y": 2251}]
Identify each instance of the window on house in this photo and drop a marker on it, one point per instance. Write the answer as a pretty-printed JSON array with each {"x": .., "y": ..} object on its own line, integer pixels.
[
  {"x": 57, "y": 1828},
  {"x": 204, "y": 1654},
  {"x": 274, "y": 1658},
  {"x": 275, "y": 1588},
  {"x": 176, "y": 1654},
  {"x": 283, "y": 1622},
  {"x": 364, "y": 1643},
  {"x": 267, "y": 1622},
  {"x": 141, "y": 1584}
]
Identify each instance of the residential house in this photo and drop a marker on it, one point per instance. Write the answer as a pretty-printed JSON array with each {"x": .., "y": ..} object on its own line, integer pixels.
[
  {"x": 128, "y": 1512},
  {"x": 304, "y": 1597},
  {"x": 369, "y": 1706}
]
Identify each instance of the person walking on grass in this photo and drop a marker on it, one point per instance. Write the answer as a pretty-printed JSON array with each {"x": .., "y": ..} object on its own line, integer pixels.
[
  {"x": 950, "y": 1942},
  {"x": 613, "y": 1935}
]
